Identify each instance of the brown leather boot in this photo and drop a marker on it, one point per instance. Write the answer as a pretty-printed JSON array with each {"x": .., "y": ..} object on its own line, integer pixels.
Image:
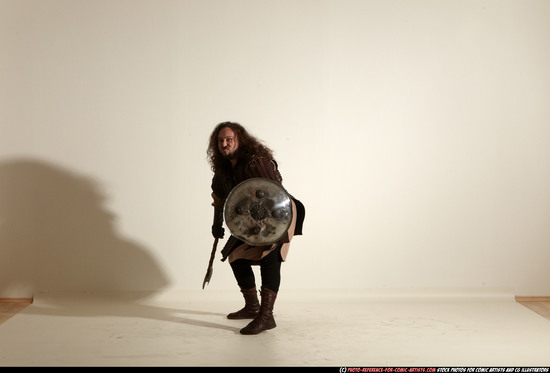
[
  {"x": 264, "y": 320},
  {"x": 251, "y": 305}
]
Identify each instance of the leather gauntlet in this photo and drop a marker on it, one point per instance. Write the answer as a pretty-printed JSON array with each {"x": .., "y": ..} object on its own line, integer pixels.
[{"x": 217, "y": 226}]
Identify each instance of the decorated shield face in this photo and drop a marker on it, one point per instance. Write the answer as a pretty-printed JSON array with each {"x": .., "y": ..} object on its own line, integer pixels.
[{"x": 258, "y": 211}]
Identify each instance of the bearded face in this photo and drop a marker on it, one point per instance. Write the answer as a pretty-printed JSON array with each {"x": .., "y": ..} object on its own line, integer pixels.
[{"x": 228, "y": 143}]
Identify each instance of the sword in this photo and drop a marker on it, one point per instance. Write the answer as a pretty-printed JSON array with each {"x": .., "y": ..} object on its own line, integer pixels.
[{"x": 210, "y": 264}]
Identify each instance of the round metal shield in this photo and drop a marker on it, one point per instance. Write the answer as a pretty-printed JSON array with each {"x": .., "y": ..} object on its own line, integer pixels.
[{"x": 258, "y": 211}]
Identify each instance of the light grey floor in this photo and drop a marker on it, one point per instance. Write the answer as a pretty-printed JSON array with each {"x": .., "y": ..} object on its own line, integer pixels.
[{"x": 331, "y": 328}]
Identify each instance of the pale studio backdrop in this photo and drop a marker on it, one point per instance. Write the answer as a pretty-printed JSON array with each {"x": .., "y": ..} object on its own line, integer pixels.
[{"x": 417, "y": 134}]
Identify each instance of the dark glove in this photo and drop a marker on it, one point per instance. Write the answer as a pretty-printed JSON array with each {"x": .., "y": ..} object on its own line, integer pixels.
[{"x": 217, "y": 225}]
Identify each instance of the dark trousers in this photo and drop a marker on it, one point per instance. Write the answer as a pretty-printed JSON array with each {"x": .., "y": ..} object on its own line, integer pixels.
[{"x": 270, "y": 271}]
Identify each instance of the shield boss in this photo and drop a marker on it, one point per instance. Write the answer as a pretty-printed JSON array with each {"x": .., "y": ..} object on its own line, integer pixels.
[{"x": 258, "y": 211}]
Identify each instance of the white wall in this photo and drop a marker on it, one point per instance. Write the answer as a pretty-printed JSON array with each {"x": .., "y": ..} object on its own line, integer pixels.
[{"x": 416, "y": 133}]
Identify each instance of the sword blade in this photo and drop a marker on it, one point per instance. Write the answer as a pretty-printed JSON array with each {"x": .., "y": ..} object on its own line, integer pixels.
[{"x": 210, "y": 269}]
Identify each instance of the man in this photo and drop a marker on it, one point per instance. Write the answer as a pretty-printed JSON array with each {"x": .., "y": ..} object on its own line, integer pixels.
[{"x": 234, "y": 156}]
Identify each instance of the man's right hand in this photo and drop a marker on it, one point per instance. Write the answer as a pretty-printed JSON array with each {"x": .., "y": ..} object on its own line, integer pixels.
[{"x": 218, "y": 231}]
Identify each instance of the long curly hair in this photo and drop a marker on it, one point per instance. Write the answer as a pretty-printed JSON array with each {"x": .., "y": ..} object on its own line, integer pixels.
[{"x": 248, "y": 146}]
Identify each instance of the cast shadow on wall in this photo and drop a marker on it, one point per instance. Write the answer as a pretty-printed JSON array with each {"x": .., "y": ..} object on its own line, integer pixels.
[{"x": 56, "y": 235}]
